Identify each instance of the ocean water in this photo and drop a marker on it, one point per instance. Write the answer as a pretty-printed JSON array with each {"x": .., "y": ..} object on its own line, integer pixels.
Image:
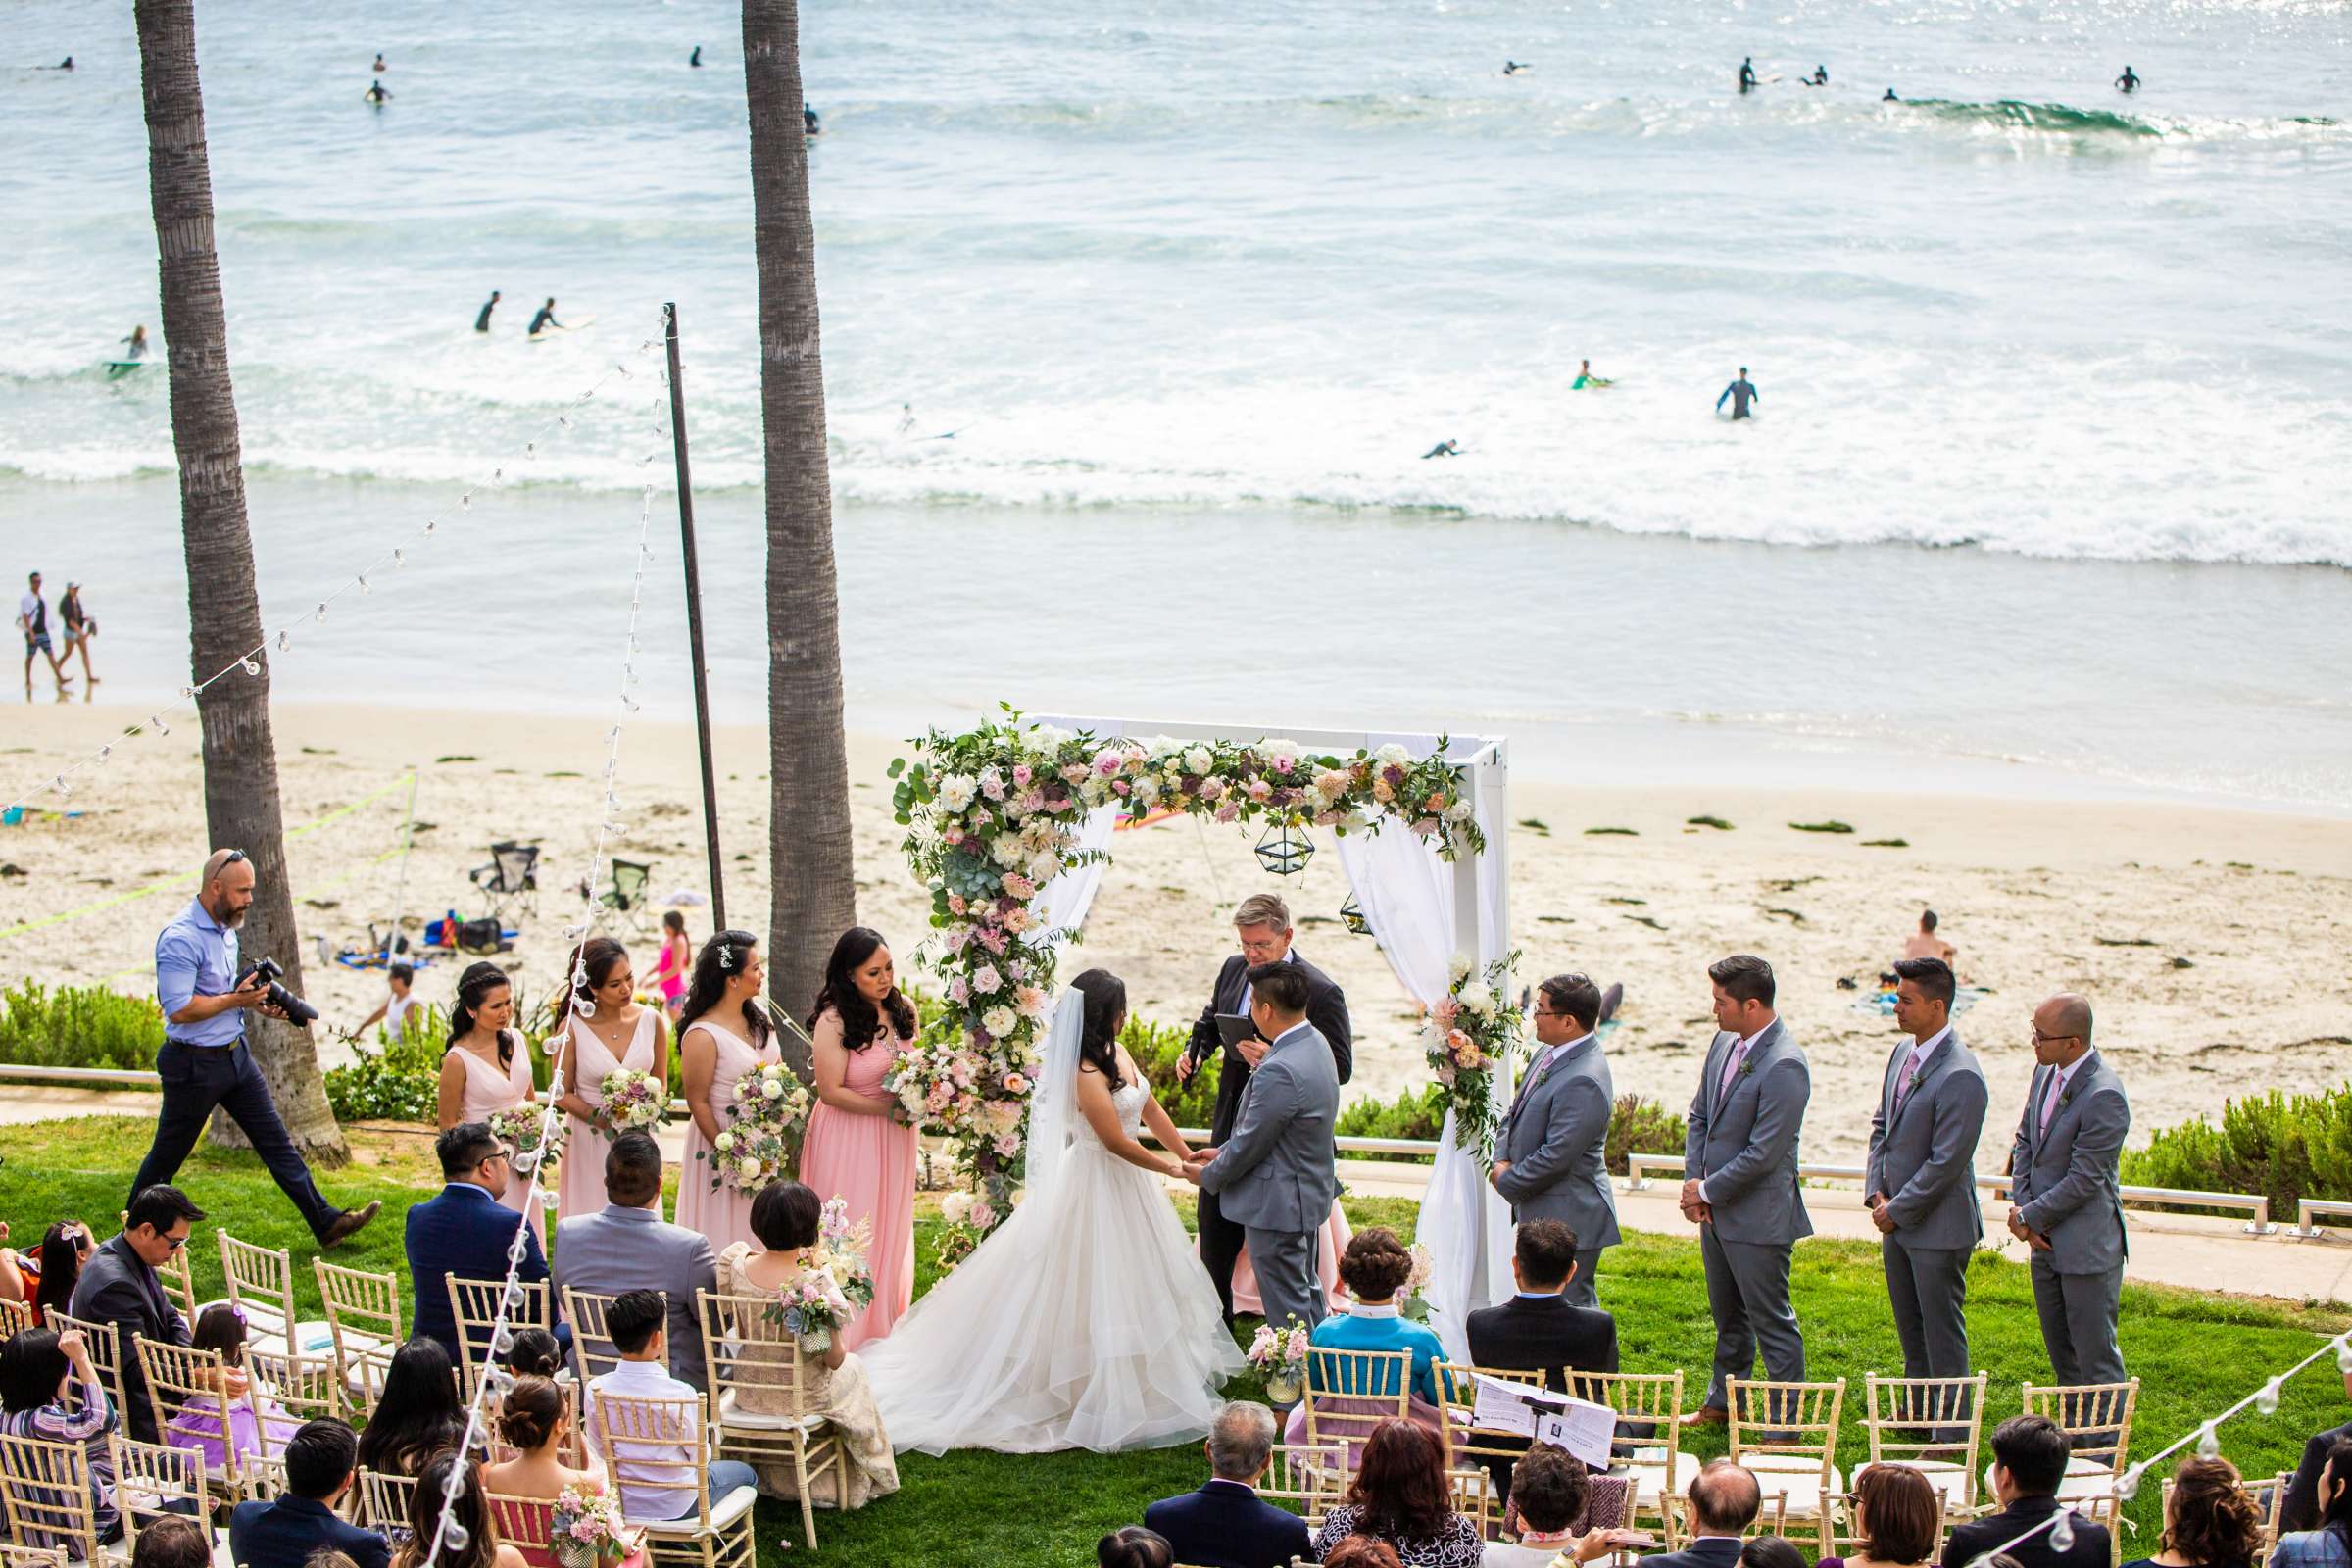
[{"x": 2057, "y": 385}]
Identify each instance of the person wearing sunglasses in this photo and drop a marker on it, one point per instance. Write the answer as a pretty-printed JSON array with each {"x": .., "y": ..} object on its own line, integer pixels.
[
  {"x": 119, "y": 1285},
  {"x": 204, "y": 1061}
]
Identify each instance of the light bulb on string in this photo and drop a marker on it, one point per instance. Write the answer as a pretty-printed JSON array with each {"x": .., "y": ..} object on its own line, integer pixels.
[
  {"x": 564, "y": 419},
  {"x": 498, "y": 478},
  {"x": 530, "y": 449},
  {"x": 59, "y": 784},
  {"x": 2266, "y": 1401},
  {"x": 400, "y": 558},
  {"x": 319, "y": 614},
  {"x": 2062, "y": 1533},
  {"x": 2209, "y": 1442},
  {"x": 2127, "y": 1485},
  {"x": 433, "y": 525},
  {"x": 361, "y": 580},
  {"x": 104, "y": 752},
  {"x": 2343, "y": 1355},
  {"x": 466, "y": 502},
  {"x": 285, "y": 641},
  {"x": 161, "y": 728},
  {"x": 250, "y": 668},
  {"x": 187, "y": 694},
  {"x": 454, "y": 1536}
]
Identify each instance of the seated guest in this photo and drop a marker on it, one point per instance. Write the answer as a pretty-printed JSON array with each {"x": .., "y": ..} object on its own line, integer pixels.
[
  {"x": 1771, "y": 1551},
  {"x": 464, "y": 1231},
  {"x": 417, "y": 1415},
  {"x": 1134, "y": 1547},
  {"x": 1549, "y": 1495},
  {"x": 2327, "y": 1543},
  {"x": 480, "y": 1548},
  {"x": 1225, "y": 1524},
  {"x": 535, "y": 1354},
  {"x": 214, "y": 1423},
  {"x": 44, "y": 1278},
  {"x": 119, "y": 1285},
  {"x": 1537, "y": 1330},
  {"x": 2210, "y": 1520},
  {"x": 1399, "y": 1495},
  {"x": 36, "y": 1366},
  {"x": 786, "y": 1217},
  {"x": 1722, "y": 1502},
  {"x": 2302, "y": 1508},
  {"x": 1899, "y": 1519},
  {"x": 655, "y": 1480},
  {"x": 535, "y": 1422},
  {"x": 1362, "y": 1551},
  {"x": 1374, "y": 1268},
  {"x": 628, "y": 1246},
  {"x": 2029, "y": 1460},
  {"x": 320, "y": 1457},
  {"x": 173, "y": 1541}
]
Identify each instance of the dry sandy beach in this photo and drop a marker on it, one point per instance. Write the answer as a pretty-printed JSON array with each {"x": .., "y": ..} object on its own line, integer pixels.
[{"x": 2211, "y": 939}]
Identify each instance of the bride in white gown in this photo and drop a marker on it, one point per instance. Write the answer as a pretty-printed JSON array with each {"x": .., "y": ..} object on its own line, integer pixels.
[{"x": 1084, "y": 1321}]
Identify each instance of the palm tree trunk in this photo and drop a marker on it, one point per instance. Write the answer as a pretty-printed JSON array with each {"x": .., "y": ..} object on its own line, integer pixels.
[
  {"x": 814, "y": 891},
  {"x": 224, "y": 612}
]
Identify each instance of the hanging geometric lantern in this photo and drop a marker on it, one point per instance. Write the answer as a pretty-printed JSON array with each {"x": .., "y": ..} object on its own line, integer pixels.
[
  {"x": 1351, "y": 916},
  {"x": 1285, "y": 850}
]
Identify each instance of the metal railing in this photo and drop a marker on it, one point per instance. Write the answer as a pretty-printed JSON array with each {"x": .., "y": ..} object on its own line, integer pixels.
[
  {"x": 2255, "y": 1205},
  {"x": 2311, "y": 1211}
]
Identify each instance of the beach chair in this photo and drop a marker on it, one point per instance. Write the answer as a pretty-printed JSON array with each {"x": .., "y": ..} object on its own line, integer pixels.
[
  {"x": 363, "y": 1322},
  {"x": 510, "y": 880},
  {"x": 105, "y": 1356},
  {"x": 626, "y": 896},
  {"x": 1934, "y": 1426},
  {"x": 45, "y": 1488},
  {"x": 473, "y": 1304},
  {"x": 1308, "y": 1479},
  {"x": 261, "y": 1286},
  {"x": 1786, "y": 1435},
  {"x": 591, "y": 1346},
  {"x": 386, "y": 1503},
  {"x": 179, "y": 1377},
  {"x": 1648, "y": 1446},
  {"x": 2096, "y": 1418},
  {"x": 13, "y": 1555},
  {"x": 764, "y": 1370},
  {"x": 178, "y": 1275},
  {"x": 152, "y": 1480},
  {"x": 15, "y": 1318},
  {"x": 305, "y": 1387},
  {"x": 1490, "y": 1449},
  {"x": 1348, "y": 1392},
  {"x": 666, "y": 1443},
  {"x": 1471, "y": 1491}
]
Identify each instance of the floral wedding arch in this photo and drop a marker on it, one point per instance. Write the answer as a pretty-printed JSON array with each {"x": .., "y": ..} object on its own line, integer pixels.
[{"x": 1006, "y": 824}]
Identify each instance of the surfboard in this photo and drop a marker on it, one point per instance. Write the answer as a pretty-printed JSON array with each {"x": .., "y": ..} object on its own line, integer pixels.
[
  {"x": 116, "y": 369},
  {"x": 546, "y": 333}
]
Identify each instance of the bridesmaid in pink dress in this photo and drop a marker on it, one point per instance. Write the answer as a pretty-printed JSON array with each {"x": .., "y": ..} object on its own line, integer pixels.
[
  {"x": 599, "y": 1029},
  {"x": 860, "y": 1145},
  {"x": 487, "y": 1067},
  {"x": 723, "y": 1035}
]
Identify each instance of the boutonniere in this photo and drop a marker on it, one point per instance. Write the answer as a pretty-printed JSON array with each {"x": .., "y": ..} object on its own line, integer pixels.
[{"x": 1748, "y": 1066}]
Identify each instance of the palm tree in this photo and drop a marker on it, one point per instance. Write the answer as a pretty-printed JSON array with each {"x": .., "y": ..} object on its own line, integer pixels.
[
  {"x": 224, "y": 611},
  {"x": 814, "y": 891}
]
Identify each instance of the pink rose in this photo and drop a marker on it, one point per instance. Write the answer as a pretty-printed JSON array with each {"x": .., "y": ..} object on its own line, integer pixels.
[
  {"x": 954, "y": 835},
  {"x": 1107, "y": 762},
  {"x": 1424, "y": 826},
  {"x": 1260, "y": 788},
  {"x": 956, "y": 903},
  {"x": 959, "y": 991},
  {"x": 1212, "y": 789},
  {"x": 1021, "y": 774},
  {"x": 1119, "y": 786},
  {"x": 1227, "y": 812},
  {"x": 1015, "y": 1083}
]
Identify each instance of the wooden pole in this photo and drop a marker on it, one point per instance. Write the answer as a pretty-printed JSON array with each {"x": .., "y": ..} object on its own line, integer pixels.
[{"x": 694, "y": 619}]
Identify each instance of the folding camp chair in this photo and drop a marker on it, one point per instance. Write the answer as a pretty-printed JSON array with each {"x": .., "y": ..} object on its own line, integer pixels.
[
  {"x": 510, "y": 880},
  {"x": 626, "y": 896}
]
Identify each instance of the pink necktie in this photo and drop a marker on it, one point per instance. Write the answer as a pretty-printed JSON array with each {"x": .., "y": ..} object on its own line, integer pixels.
[
  {"x": 1731, "y": 1070},
  {"x": 1909, "y": 1080},
  {"x": 2050, "y": 1102}
]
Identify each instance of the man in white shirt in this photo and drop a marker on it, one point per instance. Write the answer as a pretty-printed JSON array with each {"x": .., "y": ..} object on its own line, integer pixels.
[
  {"x": 656, "y": 1479},
  {"x": 32, "y": 616}
]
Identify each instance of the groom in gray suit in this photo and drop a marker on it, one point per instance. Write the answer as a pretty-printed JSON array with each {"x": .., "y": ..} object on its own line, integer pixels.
[
  {"x": 1276, "y": 1173},
  {"x": 1921, "y": 1182},
  {"x": 1739, "y": 1181},
  {"x": 2063, "y": 1180},
  {"x": 1554, "y": 1141}
]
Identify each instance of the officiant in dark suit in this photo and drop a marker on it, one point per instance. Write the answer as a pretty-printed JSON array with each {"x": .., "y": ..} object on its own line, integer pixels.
[{"x": 1262, "y": 924}]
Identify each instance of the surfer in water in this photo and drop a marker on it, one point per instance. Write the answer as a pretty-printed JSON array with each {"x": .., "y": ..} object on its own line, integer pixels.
[
  {"x": 66, "y": 64},
  {"x": 1585, "y": 376},
  {"x": 1747, "y": 75},
  {"x": 380, "y": 67},
  {"x": 1819, "y": 78},
  {"x": 1741, "y": 393},
  {"x": 481, "y": 323},
  {"x": 696, "y": 59},
  {"x": 1890, "y": 98},
  {"x": 1448, "y": 448},
  {"x": 2128, "y": 82},
  {"x": 809, "y": 124},
  {"x": 1512, "y": 68},
  {"x": 376, "y": 93},
  {"x": 134, "y": 347},
  {"x": 547, "y": 319},
  {"x": 906, "y": 418}
]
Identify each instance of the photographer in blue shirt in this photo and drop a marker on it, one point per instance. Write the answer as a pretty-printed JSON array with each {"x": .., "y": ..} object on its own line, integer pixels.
[{"x": 204, "y": 1061}]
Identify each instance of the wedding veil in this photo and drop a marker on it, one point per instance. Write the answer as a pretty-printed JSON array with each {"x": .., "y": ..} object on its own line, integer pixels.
[{"x": 1054, "y": 1101}]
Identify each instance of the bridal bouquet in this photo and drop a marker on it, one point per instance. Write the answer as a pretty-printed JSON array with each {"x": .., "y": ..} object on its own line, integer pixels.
[
  {"x": 1281, "y": 1355},
  {"x": 1465, "y": 1037},
  {"x": 833, "y": 1285},
  {"x": 769, "y": 1113},
  {"x": 518, "y": 1128},
  {"x": 585, "y": 1528},
  {"x": 634, "y": 1100}
]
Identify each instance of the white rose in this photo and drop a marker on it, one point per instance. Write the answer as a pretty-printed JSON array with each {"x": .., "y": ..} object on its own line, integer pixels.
[
  {"x": 1393, "y": 753},
  {"x": 956, "y": 1207},
  {"x": 956, "y": 792},
  {"x": 1198, "y": 760},
  {"x": 1006, "y": 849},
  {"x": 1000, "y": 1021},
  {"x": 1044, "y": 867},
  {"x": 750, "y": 1166},
  {"x": 1458, "y": 812},
  {"x": 1459, "y": 965},
  {"x": 772, "y": 1090},
  {"x": 723, "y": 1141}
]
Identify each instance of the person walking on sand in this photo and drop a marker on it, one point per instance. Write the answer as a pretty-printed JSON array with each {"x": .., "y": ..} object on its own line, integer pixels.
[
  {"x": 1924, "y": 943},
  {"x": 1741, "y": 393},
  {"x": 32, "y": 614},
  {"x": 81, "y": 627}
]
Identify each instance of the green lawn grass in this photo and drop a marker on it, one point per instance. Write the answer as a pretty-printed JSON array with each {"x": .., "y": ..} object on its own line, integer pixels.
[{"x": 2193, "y": 1353}]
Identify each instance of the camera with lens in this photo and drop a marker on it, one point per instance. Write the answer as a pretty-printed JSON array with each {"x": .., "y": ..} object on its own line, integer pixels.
[{"x": 299, "y": 1011}]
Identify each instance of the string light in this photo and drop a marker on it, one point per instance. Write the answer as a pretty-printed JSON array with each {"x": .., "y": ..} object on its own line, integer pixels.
[
  {"x": 496, "y": 1380},
  {"x": 247, "y": 660}
]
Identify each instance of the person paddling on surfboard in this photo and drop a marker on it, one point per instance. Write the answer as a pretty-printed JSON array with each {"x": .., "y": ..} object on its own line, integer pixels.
[
  {"x": 1512, "y": 68},
  {"x": 1585, "y": 376},
  {"x": 376, "y": 93},
  {"x": 2128, "y": 82},
  {"x": 1890, "y": 98},
  {"x": 1747, "y": 75},
  {"x": 1448, "y": 448},
  {"x": 546, "y": 319},
  {"x": 1741, "y": 393},
  {"x": 809, "y": 124},
  {"x": 1819, "y": 78}
]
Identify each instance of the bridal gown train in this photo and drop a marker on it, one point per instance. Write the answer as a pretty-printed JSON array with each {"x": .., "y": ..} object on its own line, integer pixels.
[{"x": 1084, "y": 1322}]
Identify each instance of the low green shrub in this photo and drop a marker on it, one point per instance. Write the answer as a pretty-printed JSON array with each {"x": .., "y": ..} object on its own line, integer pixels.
[
  {"x": 1637, "y": 1126},
  {"x": 397, "y": 1080},
  {"x": 79, "y": 1026},
  {"x": 2291, "y": 1146},
  {"x": 1641, "y": 1126}
]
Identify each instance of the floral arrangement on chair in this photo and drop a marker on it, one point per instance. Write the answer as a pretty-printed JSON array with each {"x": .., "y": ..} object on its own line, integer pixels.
[
  {"x": 1465, "y": 1037},
  {"x": 834, "y": 1284},
  {"x": 1281, "y": 1355},
  {"x": 586, "y": 1528},
  {"x": 634, "y": 1101}
]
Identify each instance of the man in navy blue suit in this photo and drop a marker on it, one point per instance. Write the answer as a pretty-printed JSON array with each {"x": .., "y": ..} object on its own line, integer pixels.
[
  {"x": 1224, "y": 1524},
  {"x": 1723, "y": 1502},
  {"x": 321, "y": 1459},
  {"x": 466, "y": 1231}
]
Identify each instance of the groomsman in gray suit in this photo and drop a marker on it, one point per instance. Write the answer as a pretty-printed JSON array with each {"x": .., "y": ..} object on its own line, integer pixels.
[
  {"x": 1922, "y": 1182},
  {"x": 1554, "y": 1141},
  {"x": 1739, "y": 1181},
  {"x": 1278, "y": 1173},
  {"x": 2063, "y": 1180}
]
